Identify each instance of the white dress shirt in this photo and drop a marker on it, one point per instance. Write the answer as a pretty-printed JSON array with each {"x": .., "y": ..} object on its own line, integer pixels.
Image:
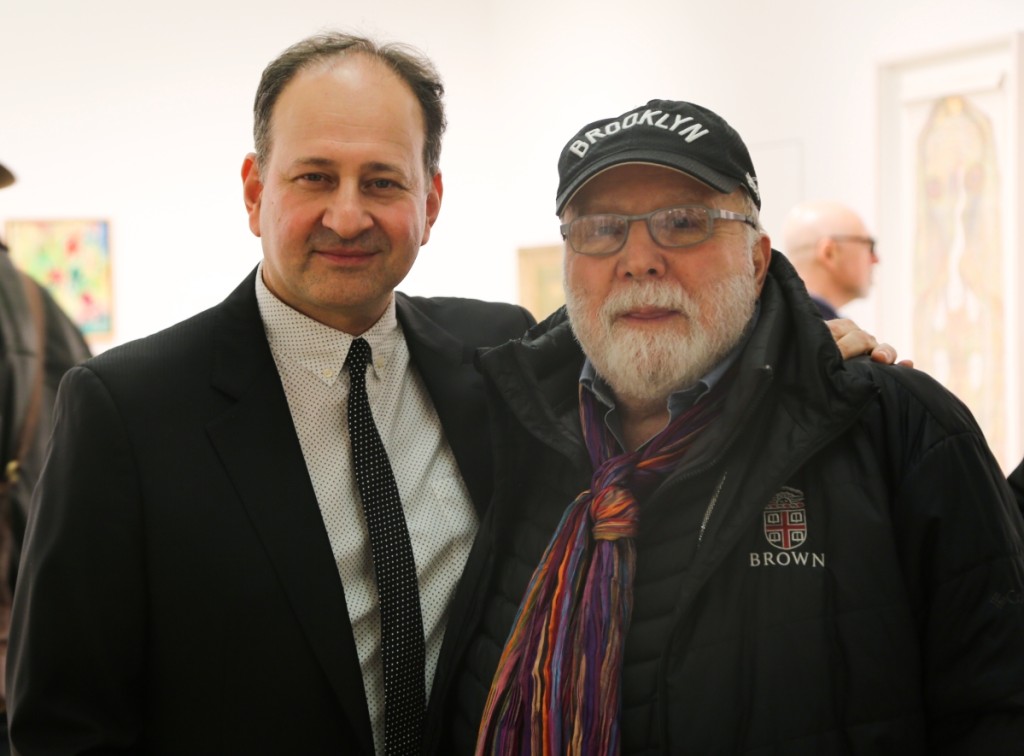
[{"x": 310, "y": 358}]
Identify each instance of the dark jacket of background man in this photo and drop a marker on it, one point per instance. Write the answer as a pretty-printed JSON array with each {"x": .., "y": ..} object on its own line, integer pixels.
[{"x": 30, "y": 362}]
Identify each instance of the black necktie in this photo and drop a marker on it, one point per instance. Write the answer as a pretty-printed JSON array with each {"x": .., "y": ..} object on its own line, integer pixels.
[{"x": 402, "y": 646}]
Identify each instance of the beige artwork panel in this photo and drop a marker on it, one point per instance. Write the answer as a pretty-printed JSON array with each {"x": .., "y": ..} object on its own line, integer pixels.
[{"x": 540, "y": 279}]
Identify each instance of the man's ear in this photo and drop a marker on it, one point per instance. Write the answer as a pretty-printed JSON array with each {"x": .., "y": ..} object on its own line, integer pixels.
[
  {"x": 827, "y": 252},
  {"x": 435, "y": 190},
  {"x": 762, "y": 256},
  {"x": 252, "y": 191}
]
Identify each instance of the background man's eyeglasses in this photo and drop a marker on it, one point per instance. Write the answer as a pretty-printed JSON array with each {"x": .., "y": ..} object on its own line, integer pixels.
[
  {"x": 857, "y": 240},
  {"x": 682, "y": 226}
]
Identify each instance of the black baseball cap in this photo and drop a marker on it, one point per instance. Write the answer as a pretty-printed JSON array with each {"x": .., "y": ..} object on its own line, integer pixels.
[{"x": 675, "y": 134}]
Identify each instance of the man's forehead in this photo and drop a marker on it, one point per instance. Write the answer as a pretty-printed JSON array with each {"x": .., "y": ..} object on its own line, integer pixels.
[
  {"x": 352, "y": 78},
  {"x": 348, "y": 102},
  {"x": 621, "y": 183}
]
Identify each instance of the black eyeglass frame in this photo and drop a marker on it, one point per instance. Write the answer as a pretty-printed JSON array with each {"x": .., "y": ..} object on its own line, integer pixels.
[
  {"x": 856, "y": 238},
  {"x": 712, "y": 213}
]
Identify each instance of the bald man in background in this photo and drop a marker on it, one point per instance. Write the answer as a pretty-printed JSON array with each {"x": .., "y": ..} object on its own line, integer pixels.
[{"x": 832, "y": 251}]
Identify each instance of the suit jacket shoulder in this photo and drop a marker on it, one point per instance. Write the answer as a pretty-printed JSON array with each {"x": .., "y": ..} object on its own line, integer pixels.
[
  {"x": 224, "y": 345},
  {"x": 443, "y": 334},
  {"x": 476, "y": 323}
]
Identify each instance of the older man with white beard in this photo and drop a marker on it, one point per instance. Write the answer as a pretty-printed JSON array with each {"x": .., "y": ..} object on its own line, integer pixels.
[{"x": 709, "y": 533}]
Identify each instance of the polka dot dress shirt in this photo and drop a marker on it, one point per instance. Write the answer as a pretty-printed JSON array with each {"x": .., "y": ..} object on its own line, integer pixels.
[{"x": 310, "y": 358}]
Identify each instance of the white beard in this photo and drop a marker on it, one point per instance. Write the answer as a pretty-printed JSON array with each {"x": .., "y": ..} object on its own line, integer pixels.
[{"x": 646, "y": 365}]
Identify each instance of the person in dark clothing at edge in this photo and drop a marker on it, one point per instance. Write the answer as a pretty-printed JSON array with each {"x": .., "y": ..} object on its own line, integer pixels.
[
  {"x": 38, "y": 344},
  {"x": 774, "y": 551},
  {"x": 1016, "y": 481}
]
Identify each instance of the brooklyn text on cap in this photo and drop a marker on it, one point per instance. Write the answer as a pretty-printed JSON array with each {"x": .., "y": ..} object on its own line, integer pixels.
[
  {"x": 679, "y": 135},
  {"x": 6, "y": 177}
]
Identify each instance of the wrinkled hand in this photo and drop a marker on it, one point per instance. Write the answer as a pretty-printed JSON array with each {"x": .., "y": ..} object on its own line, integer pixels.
[{"x": 853, "y": 342}]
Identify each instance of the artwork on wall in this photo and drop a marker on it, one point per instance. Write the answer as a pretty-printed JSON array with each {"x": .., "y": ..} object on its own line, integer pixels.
[
  {"x": 950, "y": 181},
  {"x": 71, "y": 258},
  {"x": 540, "y": 280}
]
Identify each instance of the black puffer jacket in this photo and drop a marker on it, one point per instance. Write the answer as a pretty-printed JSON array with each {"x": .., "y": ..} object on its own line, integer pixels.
[{"x": 836, "y": 567}]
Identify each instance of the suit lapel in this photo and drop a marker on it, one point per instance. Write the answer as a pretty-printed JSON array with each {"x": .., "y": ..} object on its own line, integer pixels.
[
  {"x": 446, "y": 366},
  {"x": 260, "y": 450}
]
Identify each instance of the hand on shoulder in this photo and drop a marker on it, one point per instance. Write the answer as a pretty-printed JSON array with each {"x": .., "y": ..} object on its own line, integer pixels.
[{"x": 853, "y": 342}]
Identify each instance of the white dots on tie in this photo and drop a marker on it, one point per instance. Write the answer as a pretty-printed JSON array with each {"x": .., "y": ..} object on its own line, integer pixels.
[{"x": 402, "y": 643}]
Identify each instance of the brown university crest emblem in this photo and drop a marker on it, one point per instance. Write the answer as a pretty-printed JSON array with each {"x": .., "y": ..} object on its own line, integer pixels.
[{"x": 785, "y": 519}]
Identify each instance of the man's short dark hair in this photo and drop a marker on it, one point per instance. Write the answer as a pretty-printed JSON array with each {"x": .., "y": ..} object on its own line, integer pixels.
[{"x": 408, "y": 63}]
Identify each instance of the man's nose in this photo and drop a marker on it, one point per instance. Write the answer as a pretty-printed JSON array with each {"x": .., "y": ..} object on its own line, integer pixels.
[
  {"x": 346, "y": 213},
  {"x": 641, "y": 256}
]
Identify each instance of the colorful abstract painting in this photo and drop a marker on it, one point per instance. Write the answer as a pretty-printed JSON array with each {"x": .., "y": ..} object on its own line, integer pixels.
[{"x": 71, "y": 258}]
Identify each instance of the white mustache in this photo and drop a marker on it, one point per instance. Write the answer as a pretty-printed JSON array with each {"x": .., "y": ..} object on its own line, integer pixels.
[{"x": 659, "y": 294}]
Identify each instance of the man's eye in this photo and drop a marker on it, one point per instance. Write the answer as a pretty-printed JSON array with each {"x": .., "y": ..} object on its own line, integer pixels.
[
  {"x": 682, "y": 221},
  {"x": 603, "y": 227},
  {"x": 315, "y": 178},
  {"x": 383, "y": 183}
]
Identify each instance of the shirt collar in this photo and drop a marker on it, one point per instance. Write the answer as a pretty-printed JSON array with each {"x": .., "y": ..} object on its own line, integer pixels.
[{"x": 316, "y": 347}]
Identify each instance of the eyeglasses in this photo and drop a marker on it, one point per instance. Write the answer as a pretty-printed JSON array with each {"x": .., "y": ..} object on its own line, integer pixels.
[
  {"x": 857, "y": 240},
  {"x": 682, "y": 226}
]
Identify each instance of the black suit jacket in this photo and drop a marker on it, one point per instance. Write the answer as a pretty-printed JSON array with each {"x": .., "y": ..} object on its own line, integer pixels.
[{"x": 178, "y": 592}]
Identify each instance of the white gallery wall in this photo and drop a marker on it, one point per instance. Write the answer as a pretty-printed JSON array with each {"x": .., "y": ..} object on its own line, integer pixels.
[{"x": 141, "y": 114}]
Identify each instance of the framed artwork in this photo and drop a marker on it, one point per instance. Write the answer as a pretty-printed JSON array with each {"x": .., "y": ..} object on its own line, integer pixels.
[
  {"x": 540, "y": 280},
  {"x": 950, "y": 202},
  {"x": 71, "y": 259}
]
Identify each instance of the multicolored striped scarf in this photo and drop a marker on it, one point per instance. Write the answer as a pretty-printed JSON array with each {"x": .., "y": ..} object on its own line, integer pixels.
[{"x": 557, "y": 686}]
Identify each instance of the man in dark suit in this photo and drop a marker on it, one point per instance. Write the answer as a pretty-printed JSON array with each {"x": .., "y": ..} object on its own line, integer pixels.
[
  {"x": 1016, "y": 480},
  {"x": 197, "y": 577}
]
